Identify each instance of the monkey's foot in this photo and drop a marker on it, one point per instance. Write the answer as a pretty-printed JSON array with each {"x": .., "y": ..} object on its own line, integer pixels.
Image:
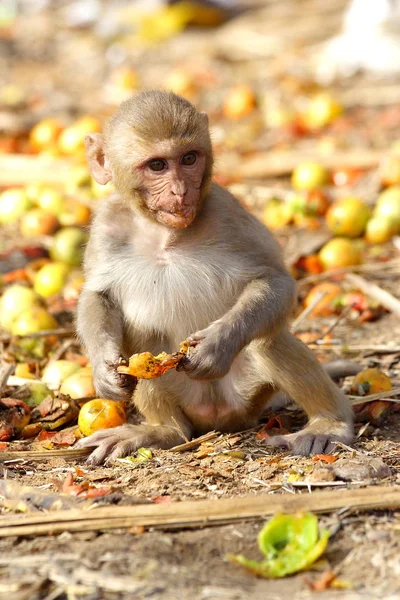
[
  {"x": 318, "y": 437},
  {"x": 118, "y": 442}
]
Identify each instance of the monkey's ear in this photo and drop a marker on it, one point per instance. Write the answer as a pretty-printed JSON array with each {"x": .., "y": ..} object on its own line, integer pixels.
[
  {"x": 97, "y": 160},
  {"x": 204, "y": 117}
]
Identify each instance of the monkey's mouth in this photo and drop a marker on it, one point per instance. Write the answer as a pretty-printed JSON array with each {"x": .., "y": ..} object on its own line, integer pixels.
[{"x": 178, "y": 218}]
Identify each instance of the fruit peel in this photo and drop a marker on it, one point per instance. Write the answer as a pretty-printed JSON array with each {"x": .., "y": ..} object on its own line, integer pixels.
[{"x": 289, "y": 543}]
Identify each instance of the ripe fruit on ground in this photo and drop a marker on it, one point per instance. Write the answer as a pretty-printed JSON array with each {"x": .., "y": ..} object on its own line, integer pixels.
[
  {"x": 309, "y": 176},
  {"x": 51, "y": 200},
  {"x": 370, "y": 381},
  {"x": 33, "y": 320},
  {"x": 340, "y": 252},
  {"x": 79, "y": 384},
  {"x": 71, "y": 140},
  {"x": 239, "y": 102},
  {"x": 50, "y": 279},
  {"x": 13, "y": 203},
  {"x": 276, "y": 214},
  {"x": 100, "y": 414},
  {"x": 321, "y": 111},
  {"x": 74, "y": 213},
  {"x": 380, "y": 230},
  {"x": 38, "y": 222},
  {"x": 326, "y": 306},
  {"x": 59, "y": 370},
  {"x": 311, "y": 203},
  {"x": 16, "y": 300},
  {"x": 68, "y": 246},
  {"x": 45, "y": 134},
  {"x": 348, "y": 216},
  {"x": 388, "y": 205}
]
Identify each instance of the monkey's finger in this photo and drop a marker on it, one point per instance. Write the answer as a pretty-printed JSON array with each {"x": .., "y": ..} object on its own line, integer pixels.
[
  {"x": 93, "y": 440},
  {"x": 126, "y": 381}
]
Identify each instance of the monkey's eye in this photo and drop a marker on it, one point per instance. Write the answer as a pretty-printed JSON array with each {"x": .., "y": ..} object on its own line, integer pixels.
[
  {"x": 189, "y": 159},
  {"x": 158, "y": 164}
]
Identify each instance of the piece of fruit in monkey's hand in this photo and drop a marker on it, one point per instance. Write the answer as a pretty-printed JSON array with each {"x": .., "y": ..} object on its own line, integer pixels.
[{"x": 147, "y": 366}]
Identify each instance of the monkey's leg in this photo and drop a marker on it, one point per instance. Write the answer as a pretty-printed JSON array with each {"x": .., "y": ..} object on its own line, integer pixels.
[
  {"x": 292, "y": 367},
  {"x": 166, "y": 427}
]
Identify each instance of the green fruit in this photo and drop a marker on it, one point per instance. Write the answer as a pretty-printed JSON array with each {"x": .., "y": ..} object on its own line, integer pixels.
[
  {"x": 15, "y": 300},
  {"x": 388, "y": 206},
  {"x": 68, "y": 246},
  {"x": 33, "y": 320},
  {"x": 50, "y": 279},
  {"x": 13, "y": 203},
  {"x": 55, "y": 373}
]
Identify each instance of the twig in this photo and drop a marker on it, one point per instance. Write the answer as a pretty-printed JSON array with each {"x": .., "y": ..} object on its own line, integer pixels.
[
  {"x": 336, "y": 322},
  {"x": 196, "y": 442},
  {"x": 365, "y": 268},
  {"x": 179, "y": 429},
  {"x": 304, "y": 314},
  {"x": 340, "y": 347},
  {"x": 5, "y": 370},
  {"x": 66, "y": 454},
  {"x": 379, "y": 396},
  {"x": 195, "y": 513},
  {"x": 66, "y": 345},
  {"x": 377, "y": 293}
]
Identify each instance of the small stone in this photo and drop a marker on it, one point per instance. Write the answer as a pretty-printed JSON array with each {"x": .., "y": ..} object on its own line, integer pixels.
[{"x": 360, "y": 468}]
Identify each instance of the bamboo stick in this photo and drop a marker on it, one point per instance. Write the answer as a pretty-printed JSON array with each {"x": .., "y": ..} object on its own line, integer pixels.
[{"x": 199, "y": 513}]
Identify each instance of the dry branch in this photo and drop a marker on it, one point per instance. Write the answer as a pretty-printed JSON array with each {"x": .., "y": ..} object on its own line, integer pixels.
[
  {"x": 65, "y": 453},
  {"x": 277, "y": 163},
  {"x": 375, "y": 292},
  {"x": 21, "y": 169},
  {"x": 198, "y": 513}
]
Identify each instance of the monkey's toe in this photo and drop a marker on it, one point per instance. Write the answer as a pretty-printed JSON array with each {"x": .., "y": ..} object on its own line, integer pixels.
[
  {"x": 110, "y": 444},
  {"x": 307, "y": 444}
]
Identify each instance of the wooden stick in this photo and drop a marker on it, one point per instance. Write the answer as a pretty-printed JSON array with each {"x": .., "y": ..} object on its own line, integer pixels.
[
  {"x": 366, "y": 268},
  {"x": 198, "y": 513},
  {"x": 21, "y": 169},
  {"x": 211, "y": 435},
  {"x": 65, "y": 453},
  {"x": 377, "y": 293},
  {"x": 304, "y": 314},
  {"x": 277, "y": 163},
  {"x": 372, "y": 397}
]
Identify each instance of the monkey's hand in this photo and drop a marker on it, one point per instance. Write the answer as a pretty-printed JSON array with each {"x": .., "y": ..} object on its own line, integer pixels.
[
  {"x": 212, "y": 351},
  {"x": 118, "y": 442},
  {"x": 109, "y": 383}
]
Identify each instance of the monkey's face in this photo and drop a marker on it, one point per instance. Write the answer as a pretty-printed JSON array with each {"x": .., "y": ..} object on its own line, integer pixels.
[{"x": 171, "y": 183}]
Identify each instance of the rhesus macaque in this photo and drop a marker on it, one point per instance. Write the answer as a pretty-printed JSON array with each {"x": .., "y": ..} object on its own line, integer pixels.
[{"x": 173, "y": 256}]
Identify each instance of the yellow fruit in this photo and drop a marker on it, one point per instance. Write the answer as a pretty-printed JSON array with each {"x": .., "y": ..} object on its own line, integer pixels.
[
  {"x": 388, "y": 205},
  {"x": 370, "y": 381},
  {"x": 79, "y": 384},
  {"x": 309, "y": 176},
  {"x": 340, "y": 252},
  {"x": 379, "y": 230},
  {"x": 38, "y": 222},
  {"x": 56, "y": 372},
  {"x": 74, "y": 213},
  {"x": 15, "y": 300},
  {"x": 100, "y": 414},
  {"x": 51, "y": 200},
  {"x": 321, "y": 111},
  {"x": 348, "y": 216},
  {"x": 71, "y": 141},
  {"x": 326, "y": 306},
  {"x": 50, "y": 279},
  {"x": 125, "y": 78},
  {"x": 181, "y": 82},
  {"x": 276, "y": 214},
  {"x": 45, "y": 134},
  {"x": 13, "y": 203},
  {"x": 33, "y": 320},
  {"x": 239, "y": 102},
  {"x": 68, "y": 246}
]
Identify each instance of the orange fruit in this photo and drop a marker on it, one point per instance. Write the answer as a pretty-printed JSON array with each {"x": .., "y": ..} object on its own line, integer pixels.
[
  {"x": 309, "y": 176},
  {"x": 326, "y": 306},
  {"x": 37, "y": 222},
  {"x": 370, "y": 381},
  {"x": 100, "y": 414},
  {"x": 239, "y": 102},
  {"x": 45, "y": 134}
]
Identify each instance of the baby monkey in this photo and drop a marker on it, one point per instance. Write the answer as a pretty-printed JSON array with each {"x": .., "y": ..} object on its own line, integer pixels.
[{"x": 173, "y": 256}]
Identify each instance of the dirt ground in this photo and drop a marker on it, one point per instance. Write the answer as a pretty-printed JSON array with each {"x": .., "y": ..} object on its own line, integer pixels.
[{"x": 364, "y": 549}]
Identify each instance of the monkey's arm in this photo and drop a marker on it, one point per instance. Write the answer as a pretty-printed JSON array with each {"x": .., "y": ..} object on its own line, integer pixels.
[
  {"x": 261, "y": 310},
  {"x": 100, "y": 326}
]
